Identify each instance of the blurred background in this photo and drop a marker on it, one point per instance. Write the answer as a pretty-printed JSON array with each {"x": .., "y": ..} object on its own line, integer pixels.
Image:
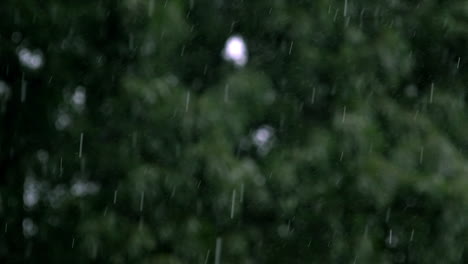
[{"x": 216, "y": 131}]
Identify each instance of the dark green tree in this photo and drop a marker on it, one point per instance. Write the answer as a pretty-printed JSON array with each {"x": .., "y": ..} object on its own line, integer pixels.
[{"x": 127, "y": 138}]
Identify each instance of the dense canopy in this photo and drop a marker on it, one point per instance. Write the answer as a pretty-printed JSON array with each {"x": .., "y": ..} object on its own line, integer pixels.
[{"x": 215, "y": 131}]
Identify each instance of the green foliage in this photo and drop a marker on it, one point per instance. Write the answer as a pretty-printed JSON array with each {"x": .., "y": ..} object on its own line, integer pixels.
[{"x": 363, "y": 103}]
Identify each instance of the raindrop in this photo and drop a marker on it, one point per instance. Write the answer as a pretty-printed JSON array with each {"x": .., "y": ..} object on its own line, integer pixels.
[
  {"x": 416, "y": 115},
  {"x": 361, "y": 17},
  {"x": 411, "y": 91},
  {"x": 42, "y": 156},
  {"x": 31, "y": 192},
  {"x": 233, "y": 203},
  {"x": 4, "y": 90},
  {"x": 63, "y": 121},
  {"x": 421, "y": 155},
  {"x": 187, "y": 101},
  {"x": 345, "y": 9},
  {"x": 344, "y": 114},
  {"x": 207, "y": 256},
  {"x": 262, "y": 135},
  {"x": 182, "y": 51},
  {"x": 56, "y": 195},
  {"x": 151, "y": 8},
  {"x": 142, "y": 200},
  {"x": 336, "y": 15},
  {"x": 219, "y": 244},
  {"x": 291, "y": 47},
  {"x": 81, "y": 146},
  {"x": 115, "y": 196},
  {"x": 283, "y": 230},
  {"x": 235, "y": 50},
  {"x": 82, "y": 188},
  {"x": 263, "y": 139},
  {"x": 30, "y": 59},
  {"x": 79, "y": 97},
  {"x": 29, "y": 228},
  {"x": 95, "y": 250},
  {"x": 390, "y": 237}
]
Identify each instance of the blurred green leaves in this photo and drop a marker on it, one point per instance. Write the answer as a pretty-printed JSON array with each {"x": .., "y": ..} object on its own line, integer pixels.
[{"x": 341, "y": 140}]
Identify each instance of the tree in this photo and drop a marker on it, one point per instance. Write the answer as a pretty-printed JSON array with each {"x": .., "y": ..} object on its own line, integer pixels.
[{"x": 341, "y": 140}]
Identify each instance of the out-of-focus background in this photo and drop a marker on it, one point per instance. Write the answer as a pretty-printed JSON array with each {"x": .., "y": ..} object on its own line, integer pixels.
[{"x": 216, "y": 131}]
